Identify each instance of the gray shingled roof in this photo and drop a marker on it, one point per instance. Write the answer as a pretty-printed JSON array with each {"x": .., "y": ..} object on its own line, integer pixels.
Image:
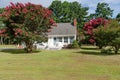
[{"x": 63, "y": 29}]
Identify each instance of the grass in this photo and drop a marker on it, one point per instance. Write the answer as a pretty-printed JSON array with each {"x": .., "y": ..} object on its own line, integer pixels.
[
  {"x": 7, "y": 46},
  {"x": 79, "y": 64}
]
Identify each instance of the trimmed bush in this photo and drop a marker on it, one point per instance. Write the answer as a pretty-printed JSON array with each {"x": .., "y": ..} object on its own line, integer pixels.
[
  {"x": 75, "y": 44},
  {"x": 107, "y": 51}
]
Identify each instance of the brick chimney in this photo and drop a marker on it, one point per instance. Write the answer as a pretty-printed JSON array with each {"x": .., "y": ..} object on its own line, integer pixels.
[
  {"x": 75, "y": 22},
  {"x": 75, "y": 25}
]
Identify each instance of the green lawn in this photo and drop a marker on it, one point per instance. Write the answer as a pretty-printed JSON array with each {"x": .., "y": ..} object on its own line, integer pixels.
[
  {"x": 80, "y": 64},
  {"x": 8, "y": 46}
]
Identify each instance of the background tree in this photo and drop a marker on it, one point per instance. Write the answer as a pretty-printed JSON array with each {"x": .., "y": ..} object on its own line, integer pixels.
[
  {"x": 56, "y": 7},
  {"x": 103, "y": 10},
  {"x": 91, "y": 16},
  {"x": 75, "y": 45},
  {"x": 103, "y": 36},
  {"x": 118, "y": 17},
  {"x": 68, "y": 11},
  {"x": 109, "y": 35},
  {"x": 26, "y": 23}
]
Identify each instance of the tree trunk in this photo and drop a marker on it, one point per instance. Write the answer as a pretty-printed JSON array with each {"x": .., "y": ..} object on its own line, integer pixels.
[
  {"x": 100, "y": 46},
  {"x": 116, "y": 49},
  {"x": 1, "y": 41},
  {"x": 29, "y": 47}
]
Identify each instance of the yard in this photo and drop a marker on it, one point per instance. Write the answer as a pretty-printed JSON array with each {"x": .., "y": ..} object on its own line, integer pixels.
[{"x": 81, "y": 64}]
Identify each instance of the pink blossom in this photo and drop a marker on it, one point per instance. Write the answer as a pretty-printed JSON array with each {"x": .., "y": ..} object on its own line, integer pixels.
[
  {"x": 13, "y": 5},
  {"x": 25, "y": 10},
  {"x": 32, "y": 18},
  {"x": 51, "y": 21},
  {"x": 92, "y": 40},
  {"x": 0, "y": 15}
]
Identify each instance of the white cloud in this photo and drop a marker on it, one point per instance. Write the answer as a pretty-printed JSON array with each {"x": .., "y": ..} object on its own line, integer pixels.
[{"x": 112, "y": 1}]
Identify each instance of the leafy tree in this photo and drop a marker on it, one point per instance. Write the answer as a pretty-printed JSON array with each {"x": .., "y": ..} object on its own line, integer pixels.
[
  {"x": 103, "y": 36},
  {"x": 1, "y": 26},
  {"x": 68, "y": 11},
  {"x": 75, "y": 44},
  {"x": 118, "y": 17},
  {"x": 1, "y": 10},
  {"x": 26, "y": 23},
  {"x": 103, "y": 10},
  {"x": 56, "y": 7},
  {"x": 100, "y": 35},
  {"x": 91, "y": 16},
  {"x": 109, "y": 35},
  {"x": 116, "y": 44}
]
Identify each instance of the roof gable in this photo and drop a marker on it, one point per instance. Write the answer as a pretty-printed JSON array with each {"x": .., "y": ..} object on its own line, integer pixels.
[{"x": 63, "y": 29}]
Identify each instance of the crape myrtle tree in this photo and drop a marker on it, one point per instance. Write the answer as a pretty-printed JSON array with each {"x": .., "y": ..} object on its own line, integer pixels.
[
  {"x": 3, "y": 40},
  {"x": 90, "y": 26},
  {"x": 1, "y": 26},
  {"x": 118, "y": 17},
  {"x": 26, "y": 23}
]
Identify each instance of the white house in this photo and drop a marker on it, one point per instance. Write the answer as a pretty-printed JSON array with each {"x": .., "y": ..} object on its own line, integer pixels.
[
  {"x": 59, "y": 36},
  {"x": 62, "y": 34}
]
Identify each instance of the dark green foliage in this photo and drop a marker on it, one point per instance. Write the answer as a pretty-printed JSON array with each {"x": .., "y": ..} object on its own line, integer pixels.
[
  {"x": 116, "y": 44},
  {"x": 106, "y": 51},
  {"x": 75, "y": 44},
  {"x": 103, "y": 36},
  {"x": 68, "y": 11},
  {"x": 108, "y": 35},
  {"x": 118, "y": 17},
  {"x": 103, "y": 10}
]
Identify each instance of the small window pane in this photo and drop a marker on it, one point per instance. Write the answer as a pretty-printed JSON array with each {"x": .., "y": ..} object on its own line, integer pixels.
[
  {"x": 71, "y": 39},
  {"x": 55, "y": 40},
  {"x": 60, "y": 39},
  {"x": 65, "y": 39}
]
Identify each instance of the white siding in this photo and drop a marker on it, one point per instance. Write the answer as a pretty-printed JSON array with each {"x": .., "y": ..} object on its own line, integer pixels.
[{"x": 50, "y": 42}]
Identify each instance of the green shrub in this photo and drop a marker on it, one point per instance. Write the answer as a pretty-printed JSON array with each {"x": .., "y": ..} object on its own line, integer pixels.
[
  {"x": 116, "y": 44},
  {"x": 75, "y": 44},
  {"x": 107, "y": 51}
]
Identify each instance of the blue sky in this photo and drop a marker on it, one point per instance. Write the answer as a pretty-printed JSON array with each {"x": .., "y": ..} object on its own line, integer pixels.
[{"x": 114, "y": 4}]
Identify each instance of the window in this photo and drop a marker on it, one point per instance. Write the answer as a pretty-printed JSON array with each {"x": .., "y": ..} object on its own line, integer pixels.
[
  {"x": 60, "y": 39},
  {"x": 55, "y": 40},
  {"x": 71, "y": 39},
  {"x": 65, "y": 39}
]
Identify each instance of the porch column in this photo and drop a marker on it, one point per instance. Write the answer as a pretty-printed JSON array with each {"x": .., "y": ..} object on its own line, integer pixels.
[
  {"x": 68, "y": 40},
  {"x": 75, "y": 37},
  {"x": 63, "y": 40}
]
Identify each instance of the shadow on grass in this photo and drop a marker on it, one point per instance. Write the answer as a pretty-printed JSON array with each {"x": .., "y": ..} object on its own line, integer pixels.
[
  {"x": 90, "y": 48},
  {"x": 17, "y": 51},
  {"x": 95, "y": 52}
]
